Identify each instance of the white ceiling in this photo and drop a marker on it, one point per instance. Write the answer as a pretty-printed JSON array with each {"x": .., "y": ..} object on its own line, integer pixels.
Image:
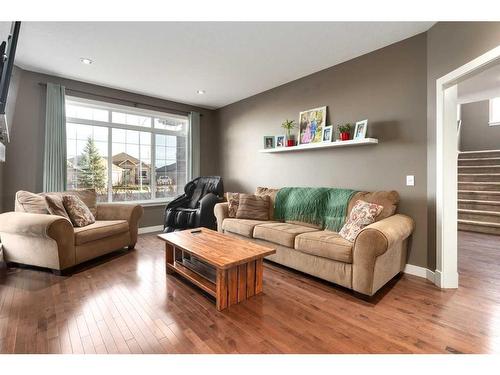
[
  {"x": 172, "y": 60},
  {"x": 481, "y": 86}
]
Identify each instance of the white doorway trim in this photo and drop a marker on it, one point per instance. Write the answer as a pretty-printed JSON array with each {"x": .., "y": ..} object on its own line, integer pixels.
[{"x": 446, "y": 275}]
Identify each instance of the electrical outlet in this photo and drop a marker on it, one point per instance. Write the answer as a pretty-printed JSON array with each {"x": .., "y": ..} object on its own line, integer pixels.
[{"x": 410, "y": 180}]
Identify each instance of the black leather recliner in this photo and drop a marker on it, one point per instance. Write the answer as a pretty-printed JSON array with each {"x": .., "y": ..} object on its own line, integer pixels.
[{"x": 195, "y": 208}]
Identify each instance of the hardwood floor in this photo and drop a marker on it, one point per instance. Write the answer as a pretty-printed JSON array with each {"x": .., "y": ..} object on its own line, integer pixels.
[{"x": 127, "y": 304}]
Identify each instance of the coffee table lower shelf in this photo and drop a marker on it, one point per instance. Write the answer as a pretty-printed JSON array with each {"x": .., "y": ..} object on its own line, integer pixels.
[
  {"x": 233, "y": 285},
  {"x": 196, "y": 279}
]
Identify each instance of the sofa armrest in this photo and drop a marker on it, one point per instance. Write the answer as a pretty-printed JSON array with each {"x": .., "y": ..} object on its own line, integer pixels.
[
  {"x": 37, "y": 225},
  {"x": 38, "y": 239},
  {"x": 122, "y": 211},
  {"x": 383, "y": 239},
  {"x": 221, "y": 211}
]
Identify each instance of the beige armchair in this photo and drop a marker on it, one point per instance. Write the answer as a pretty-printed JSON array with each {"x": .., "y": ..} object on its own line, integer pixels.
[{"x": 50, "y": 241}]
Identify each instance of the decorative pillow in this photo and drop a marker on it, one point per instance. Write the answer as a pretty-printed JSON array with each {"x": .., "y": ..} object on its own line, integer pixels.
[
  {"x": 233, "y": 200},
  {"x": 78, "y": 212},
  {"x": 255, "y": 207},
  {"x": 362, "y": 214},
  {"x": 272, "y": 198},
  {"x": 55, "y": 205},
  {"x": 30, "y": 203}
]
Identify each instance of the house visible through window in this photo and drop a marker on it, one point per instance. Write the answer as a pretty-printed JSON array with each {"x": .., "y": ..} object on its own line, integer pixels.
[
  {"x": 495, "y": 111},
  {"x": 125, "y": 154}
]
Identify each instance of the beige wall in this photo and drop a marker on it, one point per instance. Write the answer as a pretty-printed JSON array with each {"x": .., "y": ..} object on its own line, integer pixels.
[
  {"x": 24, "y": 167},
  {"x": 476, "y": 133},
  {"x": 449, "y": 46},
  {"x": 387, "y": 86}
]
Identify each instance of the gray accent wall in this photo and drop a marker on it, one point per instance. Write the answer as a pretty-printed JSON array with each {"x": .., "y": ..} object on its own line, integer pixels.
[
  {"x": 9, "y": 111},
  {"x": 24, "y": 167},
  {"x": 449, "y": 46},
  {"x": 387, "y": 87},
  {"x": 476, "y": 134}
]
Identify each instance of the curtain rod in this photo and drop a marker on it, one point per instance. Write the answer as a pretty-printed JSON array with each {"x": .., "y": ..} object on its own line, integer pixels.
[{"x": 136, "y": 104}]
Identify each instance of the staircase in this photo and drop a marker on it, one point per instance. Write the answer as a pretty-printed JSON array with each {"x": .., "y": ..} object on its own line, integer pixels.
[{"x": 479, "y": 191}]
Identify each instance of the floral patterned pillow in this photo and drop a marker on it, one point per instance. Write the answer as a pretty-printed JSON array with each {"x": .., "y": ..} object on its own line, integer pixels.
[
  {"x": 78, "y": 212},
  {"x": 233, "y": 200},
  {"x": 362, "y": 214}
]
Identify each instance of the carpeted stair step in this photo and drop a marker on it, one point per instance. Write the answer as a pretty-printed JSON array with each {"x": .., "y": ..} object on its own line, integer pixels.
[
  {"x": 480, "y": 205},
  {"x": 479, "y": 195},
  {"x": 478, "y": 162},
  {"x": 479, "y": 154},
  {"x": 479, "y": 186},
  {"x": 479, "y": 227},
  {"x": 479, "y": 169},
  {"x": 479, "y": 177},
  {"x": 478, "y": 215}
]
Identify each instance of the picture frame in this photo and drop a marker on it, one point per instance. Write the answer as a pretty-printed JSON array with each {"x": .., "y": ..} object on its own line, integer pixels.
[
  {"x": 268, "y": 141},
  {"x": 360, "y": 130},
  {"x": 311, "y": 123},
  {"x": 280, "y": 141},
  {"x": 327, "y": 134}
]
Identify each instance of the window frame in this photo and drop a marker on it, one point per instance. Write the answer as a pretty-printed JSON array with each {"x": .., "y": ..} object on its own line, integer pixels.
[
  {"x": 491, "y": 122},
  {"x": 110, "y": 107}
]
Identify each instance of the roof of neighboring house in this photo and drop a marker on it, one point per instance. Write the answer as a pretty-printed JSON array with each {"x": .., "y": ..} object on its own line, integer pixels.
[
  {"x": 118, "y": 161},
  {"x": 123, "y": 157},
  {"x": 167, "y": 168}
]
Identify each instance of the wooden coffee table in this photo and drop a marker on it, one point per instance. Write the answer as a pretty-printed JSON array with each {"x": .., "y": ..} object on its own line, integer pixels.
[{"x": 229, "y": 269}]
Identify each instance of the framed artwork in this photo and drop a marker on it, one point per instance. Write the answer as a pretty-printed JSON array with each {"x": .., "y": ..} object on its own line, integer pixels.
[
  {"x": 360, "y": 130},
  {"x": 280, "y": 141},
  {"x": 327, "y": 133},
  {"x": 311, "y": 123},
  {"x": 269, "y": 141}
]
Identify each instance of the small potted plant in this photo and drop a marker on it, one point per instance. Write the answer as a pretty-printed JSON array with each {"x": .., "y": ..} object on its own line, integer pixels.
[
  {"x": 345, "y": 131},
  {"x": 288, "y": 125}
]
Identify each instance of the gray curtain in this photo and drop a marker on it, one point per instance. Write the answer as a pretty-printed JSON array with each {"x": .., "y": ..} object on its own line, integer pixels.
[
  {"x": 194, "y": 141},
  {"x": 54, "y": 166}
]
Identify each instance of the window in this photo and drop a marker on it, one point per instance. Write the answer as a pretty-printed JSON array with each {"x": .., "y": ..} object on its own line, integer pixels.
[
  {"x": 125, "y": 154},
  {"x": 495, "y": 111}
]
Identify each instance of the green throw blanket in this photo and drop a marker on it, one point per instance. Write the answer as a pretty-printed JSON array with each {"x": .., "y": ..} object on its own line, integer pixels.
[{"x": 321, "y": 206}]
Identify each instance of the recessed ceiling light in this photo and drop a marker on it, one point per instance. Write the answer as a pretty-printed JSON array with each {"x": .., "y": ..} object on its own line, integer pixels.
[
  {"x": 86, "y": 61},
  {"x": 200, "y": 92}
]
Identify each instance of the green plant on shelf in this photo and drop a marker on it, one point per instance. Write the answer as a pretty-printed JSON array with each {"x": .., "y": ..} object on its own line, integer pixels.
[
  {"x": 288, "y": 125},
  {"x": 346, "y": 128}
]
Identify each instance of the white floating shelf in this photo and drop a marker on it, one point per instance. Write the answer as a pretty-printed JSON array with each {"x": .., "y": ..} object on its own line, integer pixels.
[{"x": 312, "y": 146}]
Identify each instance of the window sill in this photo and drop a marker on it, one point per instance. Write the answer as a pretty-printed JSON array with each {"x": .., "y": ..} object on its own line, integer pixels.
[
  {"x": 148, "y": 203},
  {"x": 494, "y": 123}
]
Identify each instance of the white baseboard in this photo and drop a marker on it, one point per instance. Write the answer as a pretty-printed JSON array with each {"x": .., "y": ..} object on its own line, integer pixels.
[
  {"x": 155, "y": 228},
  {"x": 420, "y": 272},
  {"x": 415, "y": 270}
]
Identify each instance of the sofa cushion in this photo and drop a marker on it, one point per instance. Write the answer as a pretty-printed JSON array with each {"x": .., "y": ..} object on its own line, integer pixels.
[
  {"x": 242, "y": 227},
  {"x": 55, "y": 205},
  {"x": 387, "y": 199},
  {"x": 99, "y": 230},
  {"x": 78, "y": 212},
  {"x": 325, "y": 244},
  {"x": 281, "y": 233},
  {"x": 272, "y": 198},
  {"x": 87, "y": 196},
  {"x": 233, "y": 200},
  {"x": 362, "y": 214},
  {"x": 253, "y": 207},
  {"x": 30, "y": 203}
]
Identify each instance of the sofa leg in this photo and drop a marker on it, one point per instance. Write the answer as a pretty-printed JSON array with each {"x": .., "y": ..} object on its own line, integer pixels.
[{"x": 131, "y": 247}]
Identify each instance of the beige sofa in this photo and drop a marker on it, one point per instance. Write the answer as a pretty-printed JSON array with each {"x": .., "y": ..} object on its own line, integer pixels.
[
  {"x": 50, "y": 241},
  {"x": 377, "y": 255}
]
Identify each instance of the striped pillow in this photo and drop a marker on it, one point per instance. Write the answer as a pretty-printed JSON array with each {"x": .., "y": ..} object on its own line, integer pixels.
[{"x": 255, "y": 207}]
